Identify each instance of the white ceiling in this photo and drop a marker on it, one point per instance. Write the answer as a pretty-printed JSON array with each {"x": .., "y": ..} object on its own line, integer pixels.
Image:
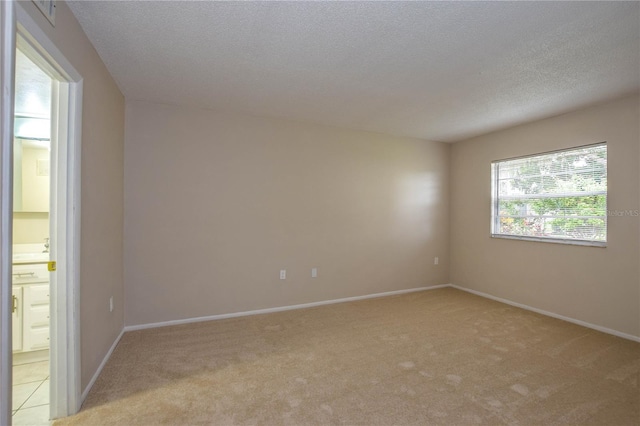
[
  {"x": 441, "y": 71},
  {"x": 33, "y": 89},
  {"x": 32, "y": 106}
]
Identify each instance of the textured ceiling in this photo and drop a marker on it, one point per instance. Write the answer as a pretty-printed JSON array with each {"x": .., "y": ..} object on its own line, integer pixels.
[
  {"x": 33, "y": 89},
  {"x": 434, "y": 70}
]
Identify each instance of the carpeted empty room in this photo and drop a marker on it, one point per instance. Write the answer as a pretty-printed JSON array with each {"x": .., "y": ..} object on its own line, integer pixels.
[
  {"x": 433, "y": 357},
  {"x": 314, "y": 213}
]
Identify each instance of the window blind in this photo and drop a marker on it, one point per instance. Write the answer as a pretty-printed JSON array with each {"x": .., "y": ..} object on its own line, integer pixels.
[{"x": 560, "y": 195}]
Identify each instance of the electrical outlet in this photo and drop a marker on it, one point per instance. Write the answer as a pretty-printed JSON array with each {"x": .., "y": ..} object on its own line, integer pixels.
[
  {"x": 111, "y": 304},
  {"x": 283, "y": 274},
  {"x": 314, "y": 272},
  {"x": 436, "y": 260}
]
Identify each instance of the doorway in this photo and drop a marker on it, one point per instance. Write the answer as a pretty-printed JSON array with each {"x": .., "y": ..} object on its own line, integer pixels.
[
  {"x": 60, "y": 160},
  {"x": 33, "y": 111}
]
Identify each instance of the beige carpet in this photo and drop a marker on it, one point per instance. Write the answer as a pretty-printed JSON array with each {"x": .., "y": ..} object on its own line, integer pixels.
[{"x": 433, "y": 357}]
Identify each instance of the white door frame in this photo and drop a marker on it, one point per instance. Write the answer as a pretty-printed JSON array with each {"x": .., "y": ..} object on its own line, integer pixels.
[
  {"x": 7, "y": 50},
  {"x": 65, "y": 392}
]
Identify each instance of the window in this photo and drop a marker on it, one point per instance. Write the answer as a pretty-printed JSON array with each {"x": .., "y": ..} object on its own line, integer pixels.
[{"x": 557, "y": 196}]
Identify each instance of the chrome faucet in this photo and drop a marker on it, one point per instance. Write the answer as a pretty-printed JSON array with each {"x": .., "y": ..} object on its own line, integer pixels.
[{"x": 46, "y": 245}]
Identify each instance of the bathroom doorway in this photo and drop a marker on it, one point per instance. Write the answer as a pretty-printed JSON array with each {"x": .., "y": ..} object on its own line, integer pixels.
[
  {"x": 33, "y": 113},
  {"x": 21, "y": 35}
]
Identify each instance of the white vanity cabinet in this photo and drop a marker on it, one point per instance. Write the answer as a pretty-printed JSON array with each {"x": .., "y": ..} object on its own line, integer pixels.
[
  {"x": 35, "y": 319},
  {"x": 31, "y": 288}
]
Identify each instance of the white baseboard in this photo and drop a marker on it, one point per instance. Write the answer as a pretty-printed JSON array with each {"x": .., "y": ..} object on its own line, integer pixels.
[
  {"x": 20, "y": 358},
  {"x": 100, "y": 367},
  {"x": 278, "y": 309},
  {"x": 550, "y": 314}
]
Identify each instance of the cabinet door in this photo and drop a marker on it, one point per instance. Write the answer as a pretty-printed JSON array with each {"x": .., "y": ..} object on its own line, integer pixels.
[
  {"x": 38, "y": 339},
  {"x": 36, "y": 317},
  {"x": 16, "y": 318}
]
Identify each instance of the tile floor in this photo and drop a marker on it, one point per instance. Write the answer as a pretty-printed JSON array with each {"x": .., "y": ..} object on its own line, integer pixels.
[{"x": 31, "y": 394}]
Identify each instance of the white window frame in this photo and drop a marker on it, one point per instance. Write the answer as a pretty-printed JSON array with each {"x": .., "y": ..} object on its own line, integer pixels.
[{"x": 495, "y": 203}]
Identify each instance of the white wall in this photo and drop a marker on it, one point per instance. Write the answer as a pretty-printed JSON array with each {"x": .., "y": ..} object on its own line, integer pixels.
[
  {"x": 598, "y": 285},
  {"x": 216, "y": 205},
  {"x": 30, "y": 228}
]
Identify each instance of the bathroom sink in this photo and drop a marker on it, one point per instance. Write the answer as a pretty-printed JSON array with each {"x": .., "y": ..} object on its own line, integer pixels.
[{"x": 30, "y": 257}]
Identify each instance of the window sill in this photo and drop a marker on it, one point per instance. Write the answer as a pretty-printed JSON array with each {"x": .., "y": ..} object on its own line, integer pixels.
[{"x": 601, "y": 244}]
